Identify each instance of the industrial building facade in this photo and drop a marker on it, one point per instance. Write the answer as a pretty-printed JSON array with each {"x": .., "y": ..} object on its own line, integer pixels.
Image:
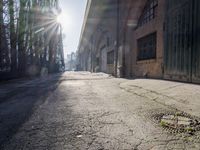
[{"x": 142, "y": 38}]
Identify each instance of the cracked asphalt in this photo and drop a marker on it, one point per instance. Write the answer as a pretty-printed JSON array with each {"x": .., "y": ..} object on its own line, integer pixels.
[{"x": 84, "y": 111}]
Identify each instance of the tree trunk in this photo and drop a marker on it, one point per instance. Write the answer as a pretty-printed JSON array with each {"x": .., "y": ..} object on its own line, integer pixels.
[
  {"x": 4, "y": 50},
  {"x": 1, "y": 33},
  {"x": 12, "y": 37},
  {"x": 21, "y": 36}
]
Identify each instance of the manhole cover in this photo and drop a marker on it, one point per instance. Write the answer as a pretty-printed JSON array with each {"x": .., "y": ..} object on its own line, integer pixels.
[{"x": 178, "y": 122}]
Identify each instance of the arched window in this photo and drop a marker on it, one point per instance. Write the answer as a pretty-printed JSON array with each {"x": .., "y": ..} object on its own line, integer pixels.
[{"x": 149, "y": 12}]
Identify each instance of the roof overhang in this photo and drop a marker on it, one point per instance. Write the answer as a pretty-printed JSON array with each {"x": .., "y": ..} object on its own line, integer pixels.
[{"x": 96, "y": 10}]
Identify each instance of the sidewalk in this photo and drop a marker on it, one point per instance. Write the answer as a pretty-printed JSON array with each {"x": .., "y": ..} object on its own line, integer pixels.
[{"x": 182, "y": 96}]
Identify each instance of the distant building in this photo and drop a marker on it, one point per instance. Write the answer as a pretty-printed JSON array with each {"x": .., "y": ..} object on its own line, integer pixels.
[
  {"x": 70, "y": 63},
  {"x": 142, "y": 38}
]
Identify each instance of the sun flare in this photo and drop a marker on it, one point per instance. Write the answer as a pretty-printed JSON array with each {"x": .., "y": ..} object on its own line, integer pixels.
[
  {"x": 59, "y": 19},
  {"x": 64, "y": 20}
]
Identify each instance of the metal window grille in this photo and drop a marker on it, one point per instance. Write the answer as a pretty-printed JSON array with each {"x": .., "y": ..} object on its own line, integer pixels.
[
  {"x": 147, "y": 47},
  {"x": 149, "y": 12}
]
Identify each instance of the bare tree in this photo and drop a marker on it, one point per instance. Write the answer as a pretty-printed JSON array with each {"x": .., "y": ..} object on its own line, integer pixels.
[
  {"x": 13, "y": 38},
  {"x": 30, "y": 36},
  {"x": 4, "y": 49}
]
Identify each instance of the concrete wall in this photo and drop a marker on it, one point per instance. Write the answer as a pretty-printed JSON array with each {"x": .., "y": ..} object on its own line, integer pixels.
[
  {"x": 129, "y": 13},
  {"x": 112, "y": 24},
  {"x": 101, "y": 40}
]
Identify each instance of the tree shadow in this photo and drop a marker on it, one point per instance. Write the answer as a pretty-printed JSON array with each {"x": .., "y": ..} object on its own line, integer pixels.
[{"x": 17, "y": 106}]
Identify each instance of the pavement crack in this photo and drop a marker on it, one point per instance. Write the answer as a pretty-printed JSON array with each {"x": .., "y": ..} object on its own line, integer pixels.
[
  {"x": 137, "y": 145},
  {"x": 172, "y": 87},
  {"x": 144, "y": 95}
]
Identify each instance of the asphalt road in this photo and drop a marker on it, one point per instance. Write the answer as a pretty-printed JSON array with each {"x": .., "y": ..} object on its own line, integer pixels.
[{"x": 82, "y": 111}]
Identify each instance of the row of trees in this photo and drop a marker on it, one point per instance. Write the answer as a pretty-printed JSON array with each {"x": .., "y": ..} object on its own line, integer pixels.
[{"x": 30, "y": 37}]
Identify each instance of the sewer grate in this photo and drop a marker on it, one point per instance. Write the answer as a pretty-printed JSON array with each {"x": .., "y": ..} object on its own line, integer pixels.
[{"x": 177, "y": 122}]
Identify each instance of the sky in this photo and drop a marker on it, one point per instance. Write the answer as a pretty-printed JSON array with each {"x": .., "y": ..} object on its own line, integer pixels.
[{"x": 71, "y": 20}]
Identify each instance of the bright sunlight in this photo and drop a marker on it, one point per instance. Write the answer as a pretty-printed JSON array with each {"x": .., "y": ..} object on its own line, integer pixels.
[{"x": 64, "y": 19}]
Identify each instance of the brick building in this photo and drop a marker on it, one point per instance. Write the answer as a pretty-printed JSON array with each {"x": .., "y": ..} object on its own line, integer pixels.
[{"x": 142, "y": 38}]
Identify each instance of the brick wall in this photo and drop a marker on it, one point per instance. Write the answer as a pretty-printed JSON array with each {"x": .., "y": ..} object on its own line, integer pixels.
[{"x": 152, "y": 67}]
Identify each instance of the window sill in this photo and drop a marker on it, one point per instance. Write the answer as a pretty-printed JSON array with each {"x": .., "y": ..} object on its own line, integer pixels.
[{"x": 146, "y": 61}]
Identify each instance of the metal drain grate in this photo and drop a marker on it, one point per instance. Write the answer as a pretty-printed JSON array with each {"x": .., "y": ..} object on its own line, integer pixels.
[{"x": 177, "y": 122}]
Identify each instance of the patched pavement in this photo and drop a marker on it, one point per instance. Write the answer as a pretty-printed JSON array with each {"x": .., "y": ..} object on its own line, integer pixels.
[{"x": 73, "y": 111}]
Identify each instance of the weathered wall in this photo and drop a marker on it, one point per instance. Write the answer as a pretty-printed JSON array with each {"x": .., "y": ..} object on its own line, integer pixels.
[
  {"x": 104, "y": 39},
  {"x": 134, "y": 10},
  {"x": 123, "y": 24},
  {"x": 153, "y": 67}
]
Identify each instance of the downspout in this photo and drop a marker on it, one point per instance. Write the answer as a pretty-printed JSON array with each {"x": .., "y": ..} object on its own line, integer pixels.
[{"x": 117, "y": 40}]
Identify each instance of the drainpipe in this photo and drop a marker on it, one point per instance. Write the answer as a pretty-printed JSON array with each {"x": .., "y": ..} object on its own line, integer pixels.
[
  {"x": 91, "y": 54},
  {"x": 117, "y": 40}
]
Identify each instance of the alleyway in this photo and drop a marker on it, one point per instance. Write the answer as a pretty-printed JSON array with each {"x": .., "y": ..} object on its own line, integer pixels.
[{"x": 78, "y": 111}]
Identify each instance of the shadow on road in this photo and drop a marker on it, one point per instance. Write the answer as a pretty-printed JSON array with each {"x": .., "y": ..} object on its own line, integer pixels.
[{"x": 17, "y": 105}]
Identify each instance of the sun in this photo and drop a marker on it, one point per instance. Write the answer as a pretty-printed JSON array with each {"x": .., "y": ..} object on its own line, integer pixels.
[
  {"x": 59, "y": 19},
  {"x": 64, "y": 20}
]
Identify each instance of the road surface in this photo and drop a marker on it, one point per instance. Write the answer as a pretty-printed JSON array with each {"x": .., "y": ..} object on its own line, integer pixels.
[{"x": 83, "y": 111}]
